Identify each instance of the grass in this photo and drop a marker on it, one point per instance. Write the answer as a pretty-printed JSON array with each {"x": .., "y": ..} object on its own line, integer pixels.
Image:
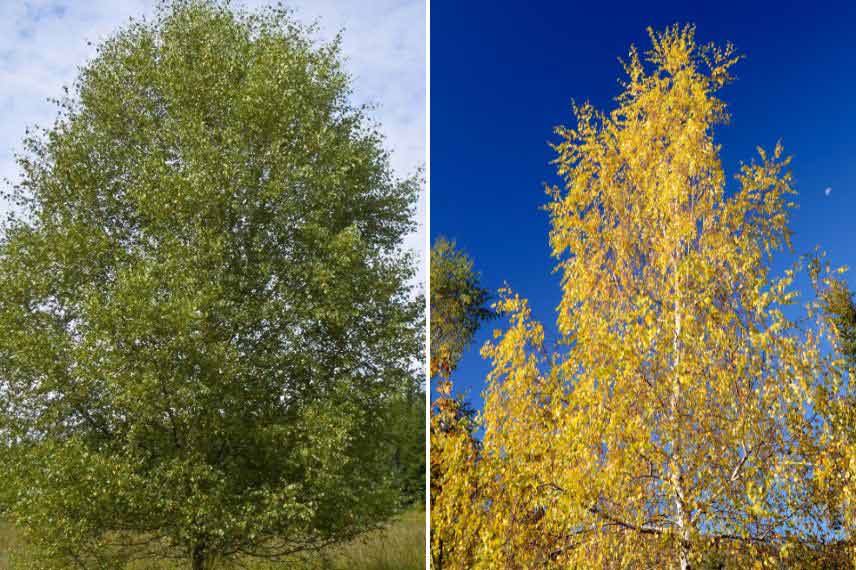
[
  {"x": 7, "y": 544},
  {"x": 401, "y": 546}
]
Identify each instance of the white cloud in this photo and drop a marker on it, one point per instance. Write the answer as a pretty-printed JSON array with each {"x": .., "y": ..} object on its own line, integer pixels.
[
  {"x": 42, "y": 42},
  {"x": 828, "y": 191}
]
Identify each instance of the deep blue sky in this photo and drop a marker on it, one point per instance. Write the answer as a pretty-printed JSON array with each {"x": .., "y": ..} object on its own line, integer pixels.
[{"x": 503, "y": 75}]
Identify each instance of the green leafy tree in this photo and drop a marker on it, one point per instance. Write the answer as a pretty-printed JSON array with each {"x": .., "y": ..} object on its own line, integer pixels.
[
  {"x": 458, "y": 305},
  {"x": 840, "y": 308},
  {"x": 407, "y": 427},
  {"x": 204, "y": 303}
]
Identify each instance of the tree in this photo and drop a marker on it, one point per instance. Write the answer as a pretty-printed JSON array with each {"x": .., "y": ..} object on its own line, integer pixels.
[
  {"x": 458, "y": 307},
  {"x": 205, "y": 309},
  {"x": 407, "y": 428},
  {"x": 839, "y": 307},
  {"x": 678, "y": 420},
  {"x": 455, "y": 518},
  {"x": 836, "y": 470}
]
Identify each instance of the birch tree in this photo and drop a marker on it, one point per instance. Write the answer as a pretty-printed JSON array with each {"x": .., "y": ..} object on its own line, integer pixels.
[
  {"x": 680, "y": 415},
  {"x": 204, "y": 305}
]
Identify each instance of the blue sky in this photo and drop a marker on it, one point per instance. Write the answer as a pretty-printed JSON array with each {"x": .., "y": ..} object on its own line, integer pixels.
[
  {"x": 503, "y": 77},
  {"x": 42, "y": 42}
]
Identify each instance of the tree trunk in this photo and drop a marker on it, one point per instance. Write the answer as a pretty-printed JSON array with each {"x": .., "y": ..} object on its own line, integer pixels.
[
  {"x": 676, "y": 475},
  {"x": 197, "y": 557},
  {"x": 684, "y": 550}
]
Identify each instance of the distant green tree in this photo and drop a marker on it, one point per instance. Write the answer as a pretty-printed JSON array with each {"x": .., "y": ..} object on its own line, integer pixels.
[
  {"x": 840, "y": 308},
  {"x": 204, "y": 305},
  {"x": 458, "y": 305},
  {"x": 407, "y": 427}
]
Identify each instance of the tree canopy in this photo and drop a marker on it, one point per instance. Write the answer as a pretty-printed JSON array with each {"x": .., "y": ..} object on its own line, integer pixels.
[
  {"x": 458, "y": 305},
  {"x": 205, "y": 309},
  {"x": 688, "y": 415}
]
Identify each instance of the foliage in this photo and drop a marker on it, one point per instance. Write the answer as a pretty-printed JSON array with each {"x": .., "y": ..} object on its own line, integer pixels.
[
  {"x": 203, "y": 302},
  {"x": 454, "y": 487},
  {"x": 682, "y": 420},
  {"x": 836, "y": 469},
  {"x": 407, "y": 428},
  {"x": 840, "y": 308},
  {"x": 458, "y": 305}
]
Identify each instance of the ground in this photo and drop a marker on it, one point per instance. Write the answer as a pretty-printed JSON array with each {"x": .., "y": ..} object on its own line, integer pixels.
[{"x": 399, "y": 547}]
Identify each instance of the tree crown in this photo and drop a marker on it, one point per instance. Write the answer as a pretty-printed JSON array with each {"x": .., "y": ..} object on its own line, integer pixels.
[{"x": 204, "y": 306}]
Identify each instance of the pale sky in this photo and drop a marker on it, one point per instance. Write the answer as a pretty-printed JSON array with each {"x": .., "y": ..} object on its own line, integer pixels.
[{"x": 42, "y": 42}]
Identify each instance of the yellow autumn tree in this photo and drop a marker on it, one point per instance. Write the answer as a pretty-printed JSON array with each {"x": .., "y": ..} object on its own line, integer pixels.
[
  {"x": 676, "y": 427},
  {"x": 458, "y": 307}
]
